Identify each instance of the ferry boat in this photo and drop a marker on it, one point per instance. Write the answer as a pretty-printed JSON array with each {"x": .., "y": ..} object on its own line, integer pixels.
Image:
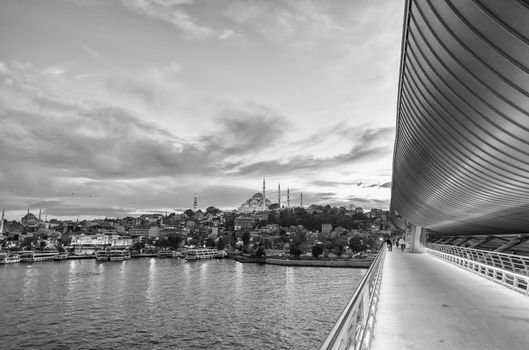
[
  {"x": 9, "y": 258},
  {"x": 61, "y": 256},
  {"x": 102, "y": 255},
  {"x": 116, "y": 255},
  {"x": 200, "y": 253},
  {"x": 38, "y": 255}
]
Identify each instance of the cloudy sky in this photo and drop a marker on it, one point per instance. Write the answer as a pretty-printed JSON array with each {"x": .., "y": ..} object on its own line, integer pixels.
[{"x": 118, "y": 107}]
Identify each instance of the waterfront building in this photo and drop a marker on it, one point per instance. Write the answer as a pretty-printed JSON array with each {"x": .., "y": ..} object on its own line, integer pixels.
[{"x": 88, "y": 244}]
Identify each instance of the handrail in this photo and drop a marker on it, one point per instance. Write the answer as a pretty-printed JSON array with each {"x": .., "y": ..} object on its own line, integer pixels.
[
  {"x": 354, "y": 327},
  {"x": 506, "y": 269}
]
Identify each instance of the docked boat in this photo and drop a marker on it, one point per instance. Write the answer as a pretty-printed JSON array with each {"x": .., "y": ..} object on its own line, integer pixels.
[
  {"x": 61, "y": 256},
  {"x": 102, "y": 255},
  {"x": 126, "y": 254},
  {"x": 200, "y": 253},
  {"x": 37, "y": 255},
  {"x": 116, "y": 255},
  {"x": 9, "y": 258}
]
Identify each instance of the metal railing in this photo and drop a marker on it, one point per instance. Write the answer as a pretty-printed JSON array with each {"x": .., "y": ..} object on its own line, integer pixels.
[
  {"x": 354, "y": 327},
  {"x": 506, "y": 269}
]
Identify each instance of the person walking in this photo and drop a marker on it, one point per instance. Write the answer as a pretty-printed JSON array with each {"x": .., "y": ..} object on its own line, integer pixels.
[
  {"x": 389, "y": 244},
  {"x": 402, "y": 244}
]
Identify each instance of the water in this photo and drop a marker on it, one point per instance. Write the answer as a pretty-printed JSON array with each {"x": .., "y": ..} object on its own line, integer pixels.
[{"x": 168, "y": 303}]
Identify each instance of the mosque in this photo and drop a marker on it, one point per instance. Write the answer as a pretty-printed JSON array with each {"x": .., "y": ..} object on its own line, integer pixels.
[{"x": 259, "y": 202}]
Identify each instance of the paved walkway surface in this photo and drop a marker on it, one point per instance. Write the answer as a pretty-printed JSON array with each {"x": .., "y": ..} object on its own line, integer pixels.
[{"x": 427, "y": 303}]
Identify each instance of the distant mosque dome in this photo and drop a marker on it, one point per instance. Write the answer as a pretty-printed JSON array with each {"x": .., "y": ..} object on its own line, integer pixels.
[
  {"x": 29, "y": 220},
  {"x": 255, "y": 204}
]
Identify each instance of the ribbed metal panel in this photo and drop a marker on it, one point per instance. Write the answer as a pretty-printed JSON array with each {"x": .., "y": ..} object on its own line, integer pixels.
[{"x": 461, "y": 161}]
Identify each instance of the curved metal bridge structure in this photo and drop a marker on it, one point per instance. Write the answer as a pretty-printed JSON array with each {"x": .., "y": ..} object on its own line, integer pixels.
[
  {"x": 460, "y": 188},
  {"x": 461, "y": 157}
]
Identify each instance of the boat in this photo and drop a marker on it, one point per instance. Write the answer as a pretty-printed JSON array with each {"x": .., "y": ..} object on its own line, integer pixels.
[
  {"x": 102, "y": 255},
  {"x": 38, "y": 255},
  {"x": 61, "y": 256},
  {"x": 200, "y": 253},
  {"x": 116, "y": 255},
  {"x": 126, "y": 254},
  {"x": 9, "y": 258}
]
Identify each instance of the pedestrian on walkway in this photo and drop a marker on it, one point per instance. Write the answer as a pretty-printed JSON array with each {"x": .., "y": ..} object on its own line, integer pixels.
[
  {"x": 402, "y": 244},
  {"x": 389, "y": 244}
]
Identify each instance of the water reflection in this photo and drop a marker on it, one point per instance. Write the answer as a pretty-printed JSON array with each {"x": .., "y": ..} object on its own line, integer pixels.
[
  {"x": 163, "y": 304},
  {"x": 28, "y": 281},
  {"x": 151, "y": 285}
]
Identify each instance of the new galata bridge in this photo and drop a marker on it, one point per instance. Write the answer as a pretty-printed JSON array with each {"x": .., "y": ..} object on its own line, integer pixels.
[{"x": 460, "y": 190}]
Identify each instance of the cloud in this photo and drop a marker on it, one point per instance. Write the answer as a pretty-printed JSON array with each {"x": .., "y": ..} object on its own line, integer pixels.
[
  {"x": 155, "y": 87},
  {"x": 54, "y": 71},
  {"x": 229, "y": 34},
  {"x": 367, "y": 146},
  {"x": 93, "y": 53},
  {"x": 3, "y": 68},
  {"x": 245, "y": 130},
  {"x": 173, "y": 13},
  {"x": 328, "y": 183},
  {"x": 298, "y": 24},
  {"x": 369, "y": 202}
]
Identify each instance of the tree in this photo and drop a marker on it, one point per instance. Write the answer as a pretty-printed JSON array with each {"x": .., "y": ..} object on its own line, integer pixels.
[
  {"x": 212, "y": 210},
  {"x": 174, "y": 240},
  {"x": 357, "y": 244},
  {"x": 295, "y": 251},
  {"x": 189, "y": 212},
  {"x": 246, "y": 238},
  {"x": 317, "y": 251},
  {"x": 221, "y": 243},
  {"x": 210, "y": 242},
  {"x": 260, "y": 253}
]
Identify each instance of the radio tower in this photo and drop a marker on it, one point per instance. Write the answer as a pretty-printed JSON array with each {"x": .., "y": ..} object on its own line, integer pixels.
[
  {"x": 301, "y": 200},
  {"x": 288, "y": 197},
  {"x": 279, "y": 196},
  {"x": 195, "y": 203}
]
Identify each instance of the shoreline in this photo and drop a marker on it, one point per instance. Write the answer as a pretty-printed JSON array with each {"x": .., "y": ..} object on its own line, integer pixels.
[{"x": 352, "y": 263}]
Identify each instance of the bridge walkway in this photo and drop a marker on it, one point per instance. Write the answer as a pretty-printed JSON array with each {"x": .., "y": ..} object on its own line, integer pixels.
[{"x": 428, "y": 303}]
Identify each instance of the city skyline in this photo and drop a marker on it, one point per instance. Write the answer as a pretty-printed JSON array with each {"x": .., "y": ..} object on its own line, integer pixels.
[{"x": 118, "y": 107}]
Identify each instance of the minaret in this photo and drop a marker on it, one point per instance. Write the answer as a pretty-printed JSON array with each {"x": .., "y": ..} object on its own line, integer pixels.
[
  {"x": 2, "y": 225},
  {"x": 288, "y": 197},
  {"x": 264, "y": 194},
  {"x": 279, "y": 196},
  {"x": 195, "y": 203},
  {"x": 301, "y": 200}
]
